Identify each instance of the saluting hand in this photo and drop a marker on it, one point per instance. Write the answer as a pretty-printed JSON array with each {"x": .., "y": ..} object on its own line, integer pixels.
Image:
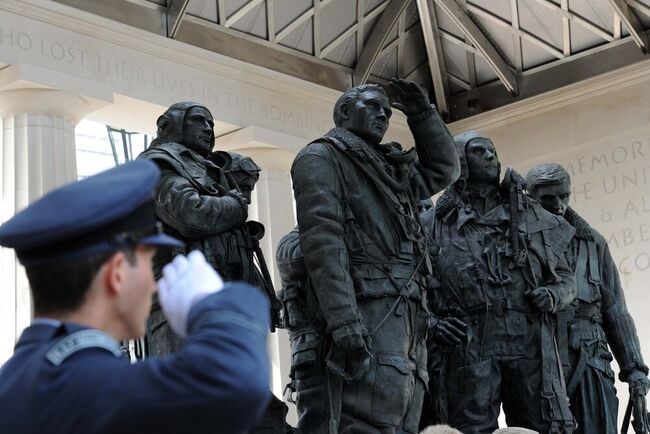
[
  {"x": 186, "y": 281},
  {"x": 410, "y": 97}
]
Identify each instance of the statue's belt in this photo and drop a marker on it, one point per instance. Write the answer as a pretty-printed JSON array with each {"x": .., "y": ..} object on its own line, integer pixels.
[
  {"x": 378, "y": 271},
  {"x": 482, "y": 309},
  {"x": 589, "y": 312}
]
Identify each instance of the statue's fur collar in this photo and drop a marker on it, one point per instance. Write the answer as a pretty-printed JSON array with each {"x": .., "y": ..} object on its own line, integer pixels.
[
  {"x": 359, "y": 149},
  {"x": 446, "y": 202},
  {"x": 356, "y": 145},
  {"x": 583, "y": 229}
]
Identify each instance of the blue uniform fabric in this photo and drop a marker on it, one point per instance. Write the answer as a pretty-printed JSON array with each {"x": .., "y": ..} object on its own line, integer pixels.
[{"x": 218, "y": 383}]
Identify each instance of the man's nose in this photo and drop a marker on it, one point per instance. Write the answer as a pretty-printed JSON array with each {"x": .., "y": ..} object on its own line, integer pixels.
[
  {"x": 489, "y": 155},
  {"x": 382, "y": 115}
]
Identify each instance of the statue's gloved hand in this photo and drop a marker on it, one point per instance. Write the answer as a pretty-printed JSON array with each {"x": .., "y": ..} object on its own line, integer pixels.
[
  {"x": 447, "y": 331},
  {"x": 638, "y": 382},
  {"x": 410, "y": 97},
  {"x": 185, "y": 281},
  {"x": 639, "y": 386},
  {"x": 351, "y": 351},
  {"x": 542, "y": 299},
  {"x": 240, "y": 198}
]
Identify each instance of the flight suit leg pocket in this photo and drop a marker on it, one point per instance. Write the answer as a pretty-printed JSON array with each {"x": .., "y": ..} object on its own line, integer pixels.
[
  {"x": 394, "y": 387},
  {"x": 412, "y": 422},
  {"x": 470, "y": 394},
  {"x": 304, "y": 354}
]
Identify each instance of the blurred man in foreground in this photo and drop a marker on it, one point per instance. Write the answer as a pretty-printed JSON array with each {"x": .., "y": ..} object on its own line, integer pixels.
[{"x": 88, "y": 248}]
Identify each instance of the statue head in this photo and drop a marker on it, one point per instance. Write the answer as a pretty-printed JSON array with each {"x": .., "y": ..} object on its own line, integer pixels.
[
  {"x": 479, "y": 159},
  {"x": 245, "y": 173},
  {"x": 364, "y": 110},
  {"x": 189, "y": 124},
  {"x": 550, "y": 185}
]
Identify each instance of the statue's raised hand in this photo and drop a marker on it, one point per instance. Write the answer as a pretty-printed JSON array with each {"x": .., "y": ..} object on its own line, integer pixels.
[{"x": 410, "y": 97}]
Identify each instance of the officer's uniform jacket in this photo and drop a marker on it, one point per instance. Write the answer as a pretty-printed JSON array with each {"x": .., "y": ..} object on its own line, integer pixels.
[
  {"x": 357, "y": 213},
  {"x": 68, "y": 378},
  {"x": 599, "y": 315}
]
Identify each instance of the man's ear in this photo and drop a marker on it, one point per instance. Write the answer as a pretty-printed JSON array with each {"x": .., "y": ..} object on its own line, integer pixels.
[
  {"x": 345, "y": 111},
  {"x": 162, "y": 123},
  {"x": 114, "y": 273}
]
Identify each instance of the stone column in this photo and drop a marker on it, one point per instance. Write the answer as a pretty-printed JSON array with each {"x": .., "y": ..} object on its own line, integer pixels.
[
  {"x": 37, "y": 153},
  {"x": 273, "y": 206}
]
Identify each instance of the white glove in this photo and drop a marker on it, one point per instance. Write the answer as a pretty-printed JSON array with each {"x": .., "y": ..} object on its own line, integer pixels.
[{"x": 185, "y": 281}]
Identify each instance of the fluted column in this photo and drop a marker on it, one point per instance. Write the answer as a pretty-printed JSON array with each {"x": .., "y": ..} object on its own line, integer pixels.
[
  {"x": 273, "y": 206},
  {"x": 37, "y": 153}
]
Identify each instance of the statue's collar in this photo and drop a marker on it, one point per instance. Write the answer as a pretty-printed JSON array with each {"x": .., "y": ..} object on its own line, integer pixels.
[
  {"x": 583, "y": 229},
  {"x": 358, "y": 147}
]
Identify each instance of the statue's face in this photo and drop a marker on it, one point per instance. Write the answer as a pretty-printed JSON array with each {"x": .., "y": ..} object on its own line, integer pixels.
[
  {"x": 368, "y": 116},
  {"x": 553, "y": 197},
  {"x": 198, "y": 130},
  {"x": 482, "y": 161}
]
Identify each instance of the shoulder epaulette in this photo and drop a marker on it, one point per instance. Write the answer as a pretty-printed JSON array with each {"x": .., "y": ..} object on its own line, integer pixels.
[{"x": 81, "y": 340}]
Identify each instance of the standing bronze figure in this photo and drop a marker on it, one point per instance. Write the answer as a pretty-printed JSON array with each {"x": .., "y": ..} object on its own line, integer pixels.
[
  {"x": 365, "y": 257},
  {"x": 500, "y": 267},
  {"x": 596, "y": 320},
  {"x": 202, "y": 198}
]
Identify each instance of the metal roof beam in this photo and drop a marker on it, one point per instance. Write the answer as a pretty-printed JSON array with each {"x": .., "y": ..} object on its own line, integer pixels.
[
  {"x": 361, "y": 22},
  {"x": 458, "y": 41},
  {"x": 636, "y": 4},
  {"x": 232, "y": 43},
  {"x": 316, "y": 26},
  {"x": 395, "y": 42},
  {"x": 175, "y": 12},
  {"x": 293, "y": 25},
  {"x": 270, "y": 20},
  {"x": 482, "y": 43},
  {"x": 376, "y": 40},
  {"x": 429, "y": 23},
  {"x": 568, "y": 15},
  {"x": 588, "y": 64},
  {"x": 634, "y": 26},
  {"x": 459, "y": 82},
  {"x": 210, "y": 36},
  {"x": 132, "y": 14},
  {"x": 516, "y": 39},
  {"x": 517, "y": 32},
  {"x": 241, "y": 12}
]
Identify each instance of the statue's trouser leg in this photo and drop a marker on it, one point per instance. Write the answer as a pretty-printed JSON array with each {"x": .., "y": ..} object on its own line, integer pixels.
[
  {"x": 312, "y": 405},
  {"x": 522, "y": 400},
  {"x": 388, "y": 399},
  {"x": 273, "y": 420},
  {"x": 473, "y": 394},
  {"x": 594, "y": 403}
]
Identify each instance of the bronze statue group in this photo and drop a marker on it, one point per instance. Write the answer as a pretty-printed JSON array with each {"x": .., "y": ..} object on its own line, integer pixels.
[{"x": 403, "y": 314}]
